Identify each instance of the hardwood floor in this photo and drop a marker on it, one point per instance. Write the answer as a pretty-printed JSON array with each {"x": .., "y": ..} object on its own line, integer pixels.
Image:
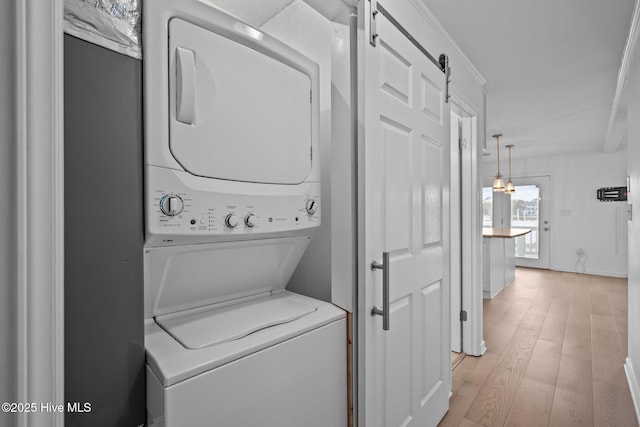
[
  {"x": 456, "y": 358},
  {"x": 556, "y": 344}
]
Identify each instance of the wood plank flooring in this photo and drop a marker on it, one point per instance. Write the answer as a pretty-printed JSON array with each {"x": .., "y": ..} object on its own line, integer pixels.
[{"x": 556, "y": 344}]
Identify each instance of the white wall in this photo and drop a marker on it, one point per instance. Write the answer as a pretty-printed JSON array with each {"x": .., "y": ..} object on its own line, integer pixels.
[
  {"x": 633, "y": 164},
  {"x": 577, "y": 218},
  {"x": 7, "y": 225},
  {"x": 306, "y": 30},
  {"x": 311, "y": 33}
]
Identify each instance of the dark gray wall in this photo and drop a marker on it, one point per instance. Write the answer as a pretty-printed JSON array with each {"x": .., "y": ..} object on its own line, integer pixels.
[
  {"x": 7, "y": 225},
  {"x": 104, "y": 319}
]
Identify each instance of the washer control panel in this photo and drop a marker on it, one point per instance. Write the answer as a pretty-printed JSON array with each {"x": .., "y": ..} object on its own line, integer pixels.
[
  {"x": 250, "y": 220},
  {"x": 177, "y": 215},
  {"x": 232, "y": 221},
  {"x": 311, "y": 206},
  {"x": 171, "y": 205}
]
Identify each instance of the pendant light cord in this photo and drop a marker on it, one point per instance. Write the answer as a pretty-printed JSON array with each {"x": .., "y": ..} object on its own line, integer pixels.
[
  {"x": 497, "y": 137},
  {"x": 509, "y": 163},
  {"x": 498, "y": 148}
]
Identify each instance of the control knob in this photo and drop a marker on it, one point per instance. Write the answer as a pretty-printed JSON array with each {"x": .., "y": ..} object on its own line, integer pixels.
[
  {"x": 171, "y": 205},
  {"x": 311, "y": 206},
  {"x": 231, "y": 221},
  {"x": 250, "y": 220}
]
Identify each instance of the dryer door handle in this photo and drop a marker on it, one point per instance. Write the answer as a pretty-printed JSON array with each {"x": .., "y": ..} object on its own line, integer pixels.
[{"x": 185, "y": 85}]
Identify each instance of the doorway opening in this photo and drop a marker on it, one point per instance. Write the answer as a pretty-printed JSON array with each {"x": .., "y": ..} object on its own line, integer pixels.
[
  {"x": 466, "y": 245},
  {"x": 528, "y": 208}
]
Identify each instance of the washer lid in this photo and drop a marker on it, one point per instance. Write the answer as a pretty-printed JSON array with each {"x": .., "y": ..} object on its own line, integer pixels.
[
  {"x": 239, "y": 109},
  {"x": 188, "y": 277},
  {"x": 233, "y": 322}
]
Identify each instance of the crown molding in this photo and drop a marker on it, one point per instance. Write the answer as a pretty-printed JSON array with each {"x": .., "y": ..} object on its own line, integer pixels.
[
  {"x": 451, "y": 44},
  {"x": 612, "y": 140}
]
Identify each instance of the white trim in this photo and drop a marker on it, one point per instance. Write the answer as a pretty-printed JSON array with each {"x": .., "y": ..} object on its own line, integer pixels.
[
  {"x": 461, "y": 104},
  {"x": 57, "y": 303},
  {"x": 471, "y": 230},
  {"x": 612, "y": 139},
  {"x": 22, "y": 252},
  {"x": 622, "y": 275},
  {"x": 455, "y": 229},
  {"x": 489, "y": 295},
  {"x": 430, "y": 18},
  {"x": 634, "y": 387},
  {"x": 40, "y": 203}
]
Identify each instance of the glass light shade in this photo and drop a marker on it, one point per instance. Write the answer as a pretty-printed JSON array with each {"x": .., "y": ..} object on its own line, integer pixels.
[
  {"x": 509, "y": 188},
  {"x": 498, "y": 183}
]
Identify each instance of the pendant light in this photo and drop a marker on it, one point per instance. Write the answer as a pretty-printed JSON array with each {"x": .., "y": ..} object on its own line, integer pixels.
[
  {"x": 498, "y": 183},
  {"x": 509, "y": 188}
]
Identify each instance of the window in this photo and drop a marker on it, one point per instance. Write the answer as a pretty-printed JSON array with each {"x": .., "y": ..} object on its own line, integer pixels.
[
  {"x": 525, "y": 207},
  {"x": 487, "y": 207}
]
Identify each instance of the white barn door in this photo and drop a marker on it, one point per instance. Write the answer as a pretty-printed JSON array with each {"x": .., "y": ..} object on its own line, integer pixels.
[{"x": 404, "y": 158}]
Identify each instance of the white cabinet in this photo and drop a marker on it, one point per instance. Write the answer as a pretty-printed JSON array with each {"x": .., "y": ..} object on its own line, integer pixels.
[
  {"x": 509, "y": 260},
  {"x": 499, "y": 264}
]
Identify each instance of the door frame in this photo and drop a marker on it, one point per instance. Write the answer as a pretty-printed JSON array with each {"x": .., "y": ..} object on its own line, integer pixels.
[
  {"x": 39, "y": 194},
  {"x": 455, "y": 212},
  {"x": 470, "y": 223},
  {"x": 546, "y": 209}
]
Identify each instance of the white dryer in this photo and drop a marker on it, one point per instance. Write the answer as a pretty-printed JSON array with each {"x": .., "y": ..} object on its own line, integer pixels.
[{"x": 232, "y": 200}]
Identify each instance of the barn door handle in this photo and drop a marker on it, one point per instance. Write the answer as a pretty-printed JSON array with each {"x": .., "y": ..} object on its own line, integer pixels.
[
  {"x": 185, "y": 85},
  {"x": 384, "y": 312}
]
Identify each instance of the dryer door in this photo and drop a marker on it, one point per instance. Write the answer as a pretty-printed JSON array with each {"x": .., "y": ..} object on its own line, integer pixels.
[{"x": 237, "y": 113}]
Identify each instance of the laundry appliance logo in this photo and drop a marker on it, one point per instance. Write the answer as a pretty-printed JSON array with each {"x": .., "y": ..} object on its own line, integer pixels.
[{"x": 46, "y": 407}]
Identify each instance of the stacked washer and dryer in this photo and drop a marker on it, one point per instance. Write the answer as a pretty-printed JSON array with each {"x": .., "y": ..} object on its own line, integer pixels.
[{"x": 232, "y": 200}]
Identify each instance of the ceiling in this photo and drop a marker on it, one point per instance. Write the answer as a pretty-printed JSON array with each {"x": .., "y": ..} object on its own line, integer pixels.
[{"x": 551, "y": 67}]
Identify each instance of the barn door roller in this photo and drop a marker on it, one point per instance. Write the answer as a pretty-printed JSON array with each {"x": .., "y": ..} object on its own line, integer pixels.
[
  {"x": 442, "y": 62},
  {"x": 444, "y": 66}
]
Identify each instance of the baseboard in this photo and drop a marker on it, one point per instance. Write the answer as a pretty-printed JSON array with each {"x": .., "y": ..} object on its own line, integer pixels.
[
  {"x": 592, "y": 272},
  {"x": 634, "y": 387},
  {"x": 487, "y": 294}
]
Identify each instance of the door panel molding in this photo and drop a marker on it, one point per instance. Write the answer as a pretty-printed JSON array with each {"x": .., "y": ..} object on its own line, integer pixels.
[{"x": 404, "y": 164}]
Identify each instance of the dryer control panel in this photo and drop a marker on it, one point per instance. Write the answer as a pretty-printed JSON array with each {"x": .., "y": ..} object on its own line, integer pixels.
[{"x": 183, "y": 208}]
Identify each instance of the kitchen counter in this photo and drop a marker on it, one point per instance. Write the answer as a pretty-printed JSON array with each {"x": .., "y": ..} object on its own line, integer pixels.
[
  {"x": 499, "y": 249},
  {"x": 505, "y": 233}
]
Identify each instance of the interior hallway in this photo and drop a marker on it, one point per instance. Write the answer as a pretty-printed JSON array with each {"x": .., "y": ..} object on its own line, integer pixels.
[{"x": 556, "y": 344}]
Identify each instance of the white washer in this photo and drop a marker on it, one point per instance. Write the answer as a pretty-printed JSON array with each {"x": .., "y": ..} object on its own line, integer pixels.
[{"x": 232, "y": 200}]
